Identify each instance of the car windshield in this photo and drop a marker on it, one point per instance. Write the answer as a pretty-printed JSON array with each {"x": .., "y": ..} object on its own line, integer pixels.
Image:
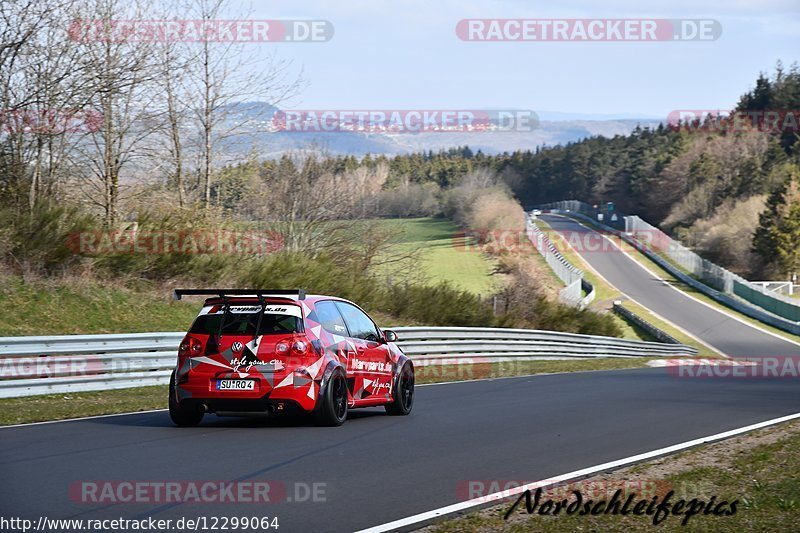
[{"x": 245, "y": 324}]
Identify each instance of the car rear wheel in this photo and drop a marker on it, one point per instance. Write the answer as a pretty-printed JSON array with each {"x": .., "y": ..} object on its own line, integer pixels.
[
  {"x": 333, "y": 410},
  {"x": 181, "y": 416},
  {"x": 403, "y": 394}
]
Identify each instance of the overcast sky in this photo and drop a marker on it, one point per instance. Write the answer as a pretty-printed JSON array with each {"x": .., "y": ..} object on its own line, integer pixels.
[{"x": 404, "y": 54}]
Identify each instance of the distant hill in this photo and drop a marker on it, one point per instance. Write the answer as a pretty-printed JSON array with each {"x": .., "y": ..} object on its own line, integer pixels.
[{"x": 261, "y": 137}]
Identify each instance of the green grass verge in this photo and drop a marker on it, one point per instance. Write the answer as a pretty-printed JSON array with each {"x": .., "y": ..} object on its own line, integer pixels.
[
  {"x": 764, "y": 477},
  {"x": 444, "y": 257},
  {"x": 445, "y": 373},
  {"x": 78, "y": 404},
  {"x": 59, "y": 307},
  {"x": 84, "y": 307},
  {"x": 72, "y": 405}
]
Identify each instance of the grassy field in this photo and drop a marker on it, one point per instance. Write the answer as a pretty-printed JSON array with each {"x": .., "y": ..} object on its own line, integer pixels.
[
  {"x": 73, "y": 405},
  {"x": 444, "y": 256}
]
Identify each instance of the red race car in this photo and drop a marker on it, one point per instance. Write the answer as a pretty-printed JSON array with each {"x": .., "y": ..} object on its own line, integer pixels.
[{"x": 273, "y": 351}]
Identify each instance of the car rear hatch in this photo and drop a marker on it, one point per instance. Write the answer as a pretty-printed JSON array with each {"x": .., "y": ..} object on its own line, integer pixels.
[{"x": 241, "y": 342}]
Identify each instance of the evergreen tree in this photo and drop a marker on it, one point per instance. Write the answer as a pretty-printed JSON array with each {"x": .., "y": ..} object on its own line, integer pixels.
[{"x": 777, "y": 239}]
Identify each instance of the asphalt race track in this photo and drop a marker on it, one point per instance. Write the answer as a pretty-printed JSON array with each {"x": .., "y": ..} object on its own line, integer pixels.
[
  {"x": 377, "y": 468},
  {"x": 732, "y": 337}
]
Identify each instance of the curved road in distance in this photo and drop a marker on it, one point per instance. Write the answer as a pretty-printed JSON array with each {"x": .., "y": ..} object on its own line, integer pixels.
[{"x": 732, "y": 337}]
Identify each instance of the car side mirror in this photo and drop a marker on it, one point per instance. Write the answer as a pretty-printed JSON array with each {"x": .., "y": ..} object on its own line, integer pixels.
[{"x": 390, "y": 336}]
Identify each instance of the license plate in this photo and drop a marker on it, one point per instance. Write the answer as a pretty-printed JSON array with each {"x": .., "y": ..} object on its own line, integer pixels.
[{"x": 236, "y": 384}]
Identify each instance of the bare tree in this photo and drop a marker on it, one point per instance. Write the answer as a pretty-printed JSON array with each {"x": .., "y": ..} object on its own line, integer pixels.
[
  {"x": 44, "y": 96},
  {"x": 122, "y": 74},
  {"x": 317, "y": 210},
  {"x": 223, "y": 75},
  {"x": 174, "y": 63}
]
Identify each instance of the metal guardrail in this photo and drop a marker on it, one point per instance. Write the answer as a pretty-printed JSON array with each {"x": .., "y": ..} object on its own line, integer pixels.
[
  {"x": 563, "y": 269},
  {"x": 636, "y": 320},
  {"x": 75, "y": 363}
]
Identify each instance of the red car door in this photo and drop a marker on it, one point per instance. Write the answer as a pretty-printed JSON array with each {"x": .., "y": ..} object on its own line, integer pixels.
[{"x": 370, "y": 359}]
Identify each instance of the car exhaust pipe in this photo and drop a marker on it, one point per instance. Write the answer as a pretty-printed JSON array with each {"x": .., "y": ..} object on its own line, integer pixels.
[
  {"x": 250, "y": 414},
  {"x": 271, "y": 410}
]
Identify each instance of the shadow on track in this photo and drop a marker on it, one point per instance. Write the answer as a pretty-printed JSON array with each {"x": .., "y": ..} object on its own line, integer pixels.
[{"x": 161, "y": 419}]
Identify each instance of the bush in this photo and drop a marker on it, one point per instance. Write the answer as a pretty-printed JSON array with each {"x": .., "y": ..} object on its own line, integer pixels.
[
  {"x": 147, "y": 264},
  {"x": 725, "y": 238},
  {"x": 555, "y": 316},
  {"x": 42, "y": 241},
  {"x": 496, "y": 210},
  {"x": 407, "y": 200},
  {"x": 437, "y": 305},
  {"x": 528, "y": 303}
]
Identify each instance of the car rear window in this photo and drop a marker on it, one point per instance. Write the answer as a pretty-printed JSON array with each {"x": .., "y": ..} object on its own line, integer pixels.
[{"x": 242, "y": 320}]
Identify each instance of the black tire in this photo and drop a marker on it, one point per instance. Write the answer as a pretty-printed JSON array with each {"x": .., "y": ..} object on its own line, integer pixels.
[
  {"x": 333, "y": 410},
  {"x": 403, "y": 394},
  {"x": 181, "y": 417}
]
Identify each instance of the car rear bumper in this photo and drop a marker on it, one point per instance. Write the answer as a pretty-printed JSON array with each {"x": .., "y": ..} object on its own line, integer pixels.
[
  {"x": 199, "y": 391},
  {"x": 264, "y": 406}
]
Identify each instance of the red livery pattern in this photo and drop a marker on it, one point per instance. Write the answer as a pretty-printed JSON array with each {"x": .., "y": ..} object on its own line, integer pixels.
[{"x": 267, "y": 354}]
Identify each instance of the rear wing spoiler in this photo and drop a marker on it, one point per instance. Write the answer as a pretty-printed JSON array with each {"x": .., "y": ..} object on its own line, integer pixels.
[{"x": 297, "y": 294}]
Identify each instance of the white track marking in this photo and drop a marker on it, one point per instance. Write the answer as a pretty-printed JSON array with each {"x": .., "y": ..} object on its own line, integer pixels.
[{"x": 499, "y": 496}]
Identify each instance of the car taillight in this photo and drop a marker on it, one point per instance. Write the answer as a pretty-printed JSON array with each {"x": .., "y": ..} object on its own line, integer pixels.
[
  {"x": 299, "y": 347},
  {"x": 293, "y": 346},
  {"x": 190, "y": 346},
  {"x": 282, "y": 348}
]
